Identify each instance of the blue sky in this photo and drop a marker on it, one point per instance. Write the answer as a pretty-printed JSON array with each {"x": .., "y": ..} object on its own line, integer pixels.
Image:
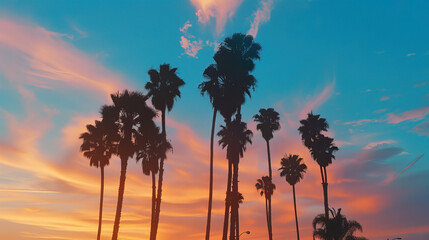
[{"x": 362, "y": 65}]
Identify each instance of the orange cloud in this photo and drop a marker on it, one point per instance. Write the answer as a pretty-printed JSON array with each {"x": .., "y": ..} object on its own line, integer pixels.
[
  {"x": 221, "y": 10},
  {"x": 32, "y": 55}
]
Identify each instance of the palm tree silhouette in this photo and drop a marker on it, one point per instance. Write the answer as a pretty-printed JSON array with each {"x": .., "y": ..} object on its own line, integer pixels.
[
  {"x": 129, "y": 117},
  {"x": 321, "y": 147},
  {"x": 152, "y": 148},
  {"x": 336, "y": 228},
  {"x": 213, "y": 87},
  {"x": 98, "y": 148},
  {"x": 268, "y": 122},
  {"x": 163, "y": 88},
  {"x": 234, "y": 61},
  {"x": 266, "y": 188},
  {"x": 234, "y": 136},
  {"x": 293, "y": 170}
]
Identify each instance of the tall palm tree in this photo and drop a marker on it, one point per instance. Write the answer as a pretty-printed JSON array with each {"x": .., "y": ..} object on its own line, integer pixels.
[
  {"x": 213, "y": 88},
  {"x": 129, "y": 118},
  {"x": 293, "y": 169},
  {"x": 321, "y": 147},
  {"x": 268, "y": 122},
  {"x": 234, "y": 136},
  {"x": 234, "y": 61},
  {"x": 163, "y": 88},
  {"x": 336, "y": 228},
  {"x": 266, "y": 188},
  {"x": 98, "y": 148},
  {"x": 151, "y": 149}
]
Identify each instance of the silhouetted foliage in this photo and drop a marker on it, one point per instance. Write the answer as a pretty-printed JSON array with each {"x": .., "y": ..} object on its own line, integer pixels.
[
  {"x": 293, "y": 170},
  {"x": 321, "y": 148},
  {"x": 163, "y": 89},
  {"x": 129, "y": 118},
  {"x": 98, "y": 147},
  {"x": 266, "y": 188},
  {"x": 336, "y": 228}
]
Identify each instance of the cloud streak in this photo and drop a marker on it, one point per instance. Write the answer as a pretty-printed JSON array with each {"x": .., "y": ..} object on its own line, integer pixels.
[
  {"x": 414, "y": 115},
  {"x": 261, "y": 16}
]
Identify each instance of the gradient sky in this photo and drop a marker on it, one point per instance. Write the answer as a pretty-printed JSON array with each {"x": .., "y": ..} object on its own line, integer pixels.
[{"x": 363, "y": 66}]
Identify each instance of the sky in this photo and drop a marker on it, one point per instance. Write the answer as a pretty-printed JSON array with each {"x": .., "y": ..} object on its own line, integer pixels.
[{"x": 362, "y": 65}]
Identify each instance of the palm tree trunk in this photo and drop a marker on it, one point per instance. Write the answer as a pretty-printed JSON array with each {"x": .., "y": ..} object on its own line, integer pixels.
[
  {"x": 271, "y": 223},
  {"x": 296, "y": 215},
  {"x": 209, "y": 211},
  {"x": 227, "y": 202},
  {"x": 100, "y": 213},
  {"x": 271, "y": 178},
  {"x": 268, "y": 217},
  {"x": 234, "y": 200},
  {"x": 269, "y": 160},
  {"x": 237, "y": 225},
  {"x": 325, "y": 193},
  {"x": 325, "y": 200},
  {"x": 152, "y": 222},
  {"x": 161, "y": 175},
  {"x": 124, "y": 162}
]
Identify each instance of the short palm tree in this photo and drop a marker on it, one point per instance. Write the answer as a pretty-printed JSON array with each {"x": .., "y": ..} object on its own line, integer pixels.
[
  {"x": 266, "y": 188},
  {"x": 336, "y": 228},
  {"x": 98, "y": 148},
  {"x": 152, "y": 148},
  {"x": 293, "y": 169},
  {"x": 163, "y": 88},
  {"x": 234, "y": 136},
  {"x": 321, "y": 147},
  {"x": 129, "y": 118}
]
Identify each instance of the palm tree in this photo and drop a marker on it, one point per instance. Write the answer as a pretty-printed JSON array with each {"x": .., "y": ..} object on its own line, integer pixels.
[
  {"x": 321, "y": 147},
  {"x": 293, "y": 170},
  {"x": 234, "y": 136},
  {"x": 234, "y": 62},
  {"x": 266, "y": 188},
  {"x": 163, "y": 88},
  {"x": 129, "y": 118},
  {"x": 151, "y": 149},
  {"x": 213, "y": 88},
  {"x": 98, "y": 148},
  {"x": 268, "y": 122},
  {"x": 336, "y": 228}
]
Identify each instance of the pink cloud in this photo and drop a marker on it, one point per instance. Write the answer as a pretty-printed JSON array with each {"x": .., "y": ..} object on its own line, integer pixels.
[
  {"x": 414, "y": 115},
  {"x": 185, "y": 27},
  {"x": 221, "y": 10},
  {"x": 361, "y": 122},
  {"x": 32, "y": 55},
  {"x": 422, "y": 129},
  {"x": 262, "y": 15},
  {"x": 377, "y": 144},
  {"x": 384, "y": 98},
  {"x": 320, "y": 99},
  {"x": 191, "y": 47}
]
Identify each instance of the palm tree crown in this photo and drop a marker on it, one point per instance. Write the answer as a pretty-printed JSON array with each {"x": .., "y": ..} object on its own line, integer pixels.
[
  {"x": 292, "y": 169},
  {"x": 268, "y": 122},
  {"x": 164, "y": 86},
  {"x": 337, "y": 228},
  {"x": 311, "y": 129},
  {"x": 235, "y": 136},
  {"x": 265, "y": 186},
  {"x": 128, "y": 118},
  {"x": 97, "y": 146}
]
